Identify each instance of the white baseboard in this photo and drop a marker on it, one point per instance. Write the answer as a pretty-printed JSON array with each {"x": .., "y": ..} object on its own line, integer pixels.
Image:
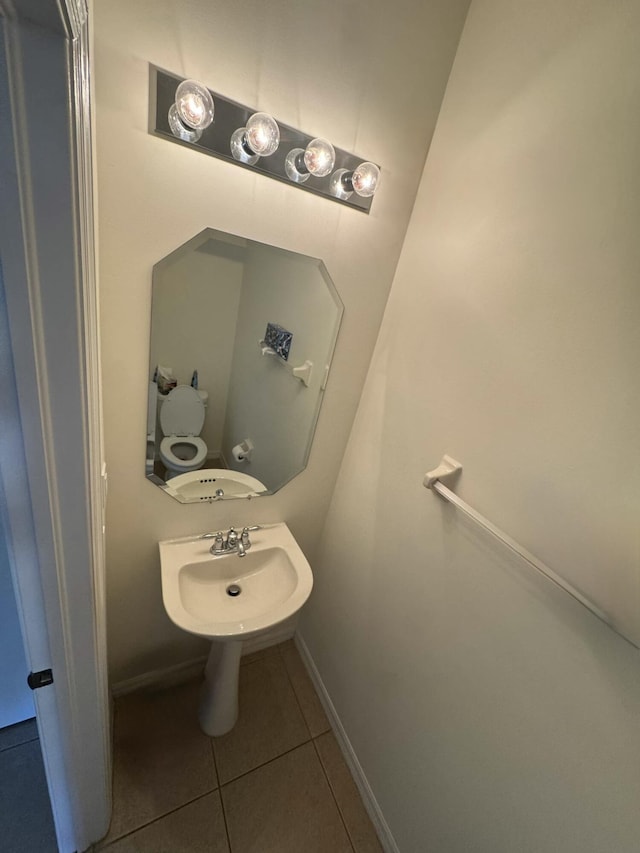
[
  {"x": 169, "y": 676},
  {"x": 368, "y": 798},
  {"x": 276, "y": 635},
  {"x": 158, "y": 678}
]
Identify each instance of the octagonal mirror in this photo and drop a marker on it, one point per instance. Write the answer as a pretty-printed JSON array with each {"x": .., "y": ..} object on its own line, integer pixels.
[{"x": 242, "y": 336}]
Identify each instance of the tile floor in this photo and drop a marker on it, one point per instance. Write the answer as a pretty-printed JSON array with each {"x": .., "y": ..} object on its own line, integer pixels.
[
  {"x": 277, "y": 783},
  {"x": 26, "y": 823}
]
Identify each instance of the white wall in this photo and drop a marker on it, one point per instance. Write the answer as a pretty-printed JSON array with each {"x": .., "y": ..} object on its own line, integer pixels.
[
  {"x": 491, "y": 712},
  {"x": 267, "y": 404},
  {"x": 383, "y": 71}
]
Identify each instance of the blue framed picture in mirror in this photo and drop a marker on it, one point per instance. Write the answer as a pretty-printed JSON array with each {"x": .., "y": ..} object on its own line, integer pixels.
[{"x": 278, "y": 339}]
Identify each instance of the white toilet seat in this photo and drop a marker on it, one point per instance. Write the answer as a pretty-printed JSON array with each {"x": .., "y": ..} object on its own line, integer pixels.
[
  {"x": 172, "y": 461},
  {"x": 181, "y": 421}
]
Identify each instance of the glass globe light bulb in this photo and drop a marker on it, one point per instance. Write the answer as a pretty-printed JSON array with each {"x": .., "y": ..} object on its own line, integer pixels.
[
  {"x": 191, "y": 111},
  {"x": 194, "y": 104},
  {"x": 239, "y": 148},
  {"x": 365, "y": 179},
  {"x": 262, "y": 134},
  {"x": 292, "y": 166},
  {"x": 319, "y": 157},
  {"x": 340, "y": 184}
]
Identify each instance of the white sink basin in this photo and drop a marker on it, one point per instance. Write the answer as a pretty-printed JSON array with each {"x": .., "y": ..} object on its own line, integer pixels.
[
  {"x": 274, "y": 578},
  {"x": 271, "y": 583},
  {"x": 203, "y": 484}
]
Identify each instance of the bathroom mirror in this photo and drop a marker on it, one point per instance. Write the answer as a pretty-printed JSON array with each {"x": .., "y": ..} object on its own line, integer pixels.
[{"x": 242, "y": 336}]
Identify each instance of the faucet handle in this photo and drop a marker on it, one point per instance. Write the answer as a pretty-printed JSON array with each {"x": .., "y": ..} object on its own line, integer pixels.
[
  {"x": 245, "y": 535},
  {"x": 218, "y": 546}
]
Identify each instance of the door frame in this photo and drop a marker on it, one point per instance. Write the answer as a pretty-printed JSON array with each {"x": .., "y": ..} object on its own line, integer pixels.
[{"x": 52, "y": 467}]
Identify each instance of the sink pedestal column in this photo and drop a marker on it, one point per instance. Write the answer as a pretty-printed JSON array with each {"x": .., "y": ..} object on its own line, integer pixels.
[{"x": 219, "y": 702}]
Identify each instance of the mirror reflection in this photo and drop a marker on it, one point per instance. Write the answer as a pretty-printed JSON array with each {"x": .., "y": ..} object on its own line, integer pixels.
[{"x": 242, "y": 335}]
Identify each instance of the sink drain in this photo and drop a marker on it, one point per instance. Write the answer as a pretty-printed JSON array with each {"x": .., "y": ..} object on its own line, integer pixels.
[{"x": 233, "y": 589}]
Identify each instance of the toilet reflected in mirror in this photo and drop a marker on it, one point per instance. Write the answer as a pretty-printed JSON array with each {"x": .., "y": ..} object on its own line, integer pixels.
[
  {"x": 221, "y": 307},
  {"x": 182, "y": 414}
]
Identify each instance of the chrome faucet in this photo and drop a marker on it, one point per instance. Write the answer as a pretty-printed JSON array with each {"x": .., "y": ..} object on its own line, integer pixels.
[{"x": 232, "y": 542}]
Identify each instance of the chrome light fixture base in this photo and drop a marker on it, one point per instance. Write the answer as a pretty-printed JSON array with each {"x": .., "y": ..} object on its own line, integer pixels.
[{"x": 229, "y": 117}]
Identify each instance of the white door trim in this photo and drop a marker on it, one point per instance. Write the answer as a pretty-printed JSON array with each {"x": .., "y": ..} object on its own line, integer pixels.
[{"x": 55, "y": 499}]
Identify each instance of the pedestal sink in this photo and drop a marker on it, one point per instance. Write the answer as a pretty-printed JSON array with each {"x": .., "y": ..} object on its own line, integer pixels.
[{"x": 228, "y": 599}]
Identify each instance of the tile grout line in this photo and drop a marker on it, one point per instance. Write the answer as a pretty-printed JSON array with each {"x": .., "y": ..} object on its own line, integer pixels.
[
  {"x": 314, "y": 738},
  {"x": 267, "y": 654},
  {"x": 224, "y": 813},
  {"x": 276, "y": 758},
  {"x": 287, "y": 751},
  {"x": 295, "y": 692},
  {"x": 264, "y": 763},
  {"x": 116, "y": 712},
  {"x": 220, "y": 785},
  {"x": 333, "y": 793},
  {"x": 155, "y": 820},
  {"x": 313, "y": 741},
  {"x": 16, "y": 745}
]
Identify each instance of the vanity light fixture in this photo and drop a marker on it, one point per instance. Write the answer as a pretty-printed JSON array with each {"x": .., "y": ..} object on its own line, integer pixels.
[
  {"x": 318, "y": 159},
  {"x": 260, "y": 138},
  {"x": 363, "y": 181},
  {"x": 182, "y": 112},
  {"x": 191, "y": 111}
]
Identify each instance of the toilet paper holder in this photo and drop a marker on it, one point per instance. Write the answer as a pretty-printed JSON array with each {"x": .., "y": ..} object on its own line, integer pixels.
[{"x": 242, "y": 452}]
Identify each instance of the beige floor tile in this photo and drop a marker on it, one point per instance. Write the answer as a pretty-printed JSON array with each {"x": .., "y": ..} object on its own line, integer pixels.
[
  {"x": 161, "y": 758},
  {"x": 195, "y": 828},
  {"x": 312, "y": 709},
  {"x": 252, "y": 657},
  {"x": 285, "y": 807},
  {"x": 269, "y": 724},
  {"x": 363, "y": 835}
]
